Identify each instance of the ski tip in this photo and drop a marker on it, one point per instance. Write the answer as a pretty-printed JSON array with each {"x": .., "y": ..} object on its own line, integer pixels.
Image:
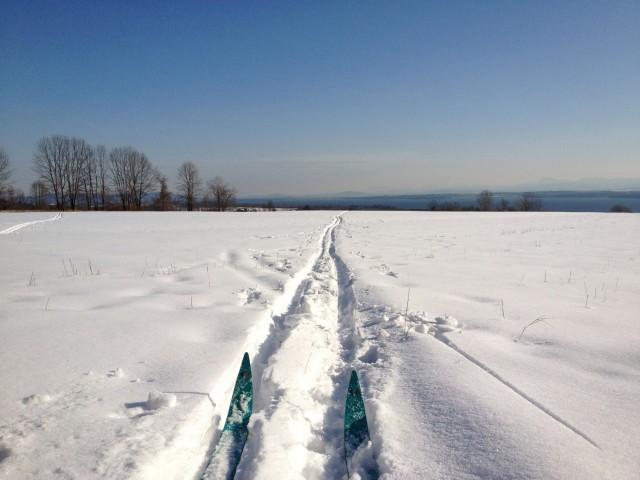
[
  {"x": 353, "y": 381},
  {"x": 246, "y": 363}
]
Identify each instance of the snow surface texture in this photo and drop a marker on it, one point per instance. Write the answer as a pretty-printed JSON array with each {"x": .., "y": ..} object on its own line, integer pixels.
[
  {"x": 450, "y": 372},
  {"x": 488, "y": 345},
  {"x": 99, "y": 311}
]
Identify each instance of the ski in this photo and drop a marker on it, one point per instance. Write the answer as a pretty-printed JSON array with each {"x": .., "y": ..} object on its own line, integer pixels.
[
  {"x": 226, "y": 457},
  {"x": 357, "y": 442}
]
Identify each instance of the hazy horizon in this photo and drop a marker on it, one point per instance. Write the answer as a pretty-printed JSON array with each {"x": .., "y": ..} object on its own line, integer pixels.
[{"x": 297, "y": 98}]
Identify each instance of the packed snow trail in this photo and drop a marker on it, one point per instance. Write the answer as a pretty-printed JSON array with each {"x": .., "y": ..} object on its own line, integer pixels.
[
  {"x": 298, "y": 401},
  {"x": 20, "y": 226}
]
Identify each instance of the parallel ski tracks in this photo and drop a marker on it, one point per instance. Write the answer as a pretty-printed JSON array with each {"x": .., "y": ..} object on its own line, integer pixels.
[
  {"x": 296, "y": 429},
  {"x": 20, "y": 226},
  {"x": 272, "y": 359},
  {"x": 301, "y": 364}
]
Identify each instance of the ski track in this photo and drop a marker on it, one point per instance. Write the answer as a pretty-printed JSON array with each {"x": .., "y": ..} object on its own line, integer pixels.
[
  {"x": 20, "y": 226},
  {"x": 301, "y": 360},
  {"x": 446, "y": 341},
  {"x": 189, "y": 452},
  {"x": 300, "y": 379}
]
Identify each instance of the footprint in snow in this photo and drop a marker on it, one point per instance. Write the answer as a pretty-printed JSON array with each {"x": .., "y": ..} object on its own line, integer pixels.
[{"x": 249, "y": 295}]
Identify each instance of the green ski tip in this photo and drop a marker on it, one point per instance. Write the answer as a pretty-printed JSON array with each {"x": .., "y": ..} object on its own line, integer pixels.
[
  {"x": 241, "y": 406},
  {"x": 356, "y": 429},
  {"x": 358, "y": 450},
  {"x": 226, "y": 457}
]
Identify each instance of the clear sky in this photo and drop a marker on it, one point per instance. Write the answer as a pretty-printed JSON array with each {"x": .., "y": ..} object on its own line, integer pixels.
[{"x": 326, "y": 96}]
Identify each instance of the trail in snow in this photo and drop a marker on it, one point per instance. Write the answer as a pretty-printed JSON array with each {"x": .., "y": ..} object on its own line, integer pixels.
[
  {"x": 300, "y": 374},
  {"x": 437, "y": 407},
  {"x": 20, "y": 226},
  {"x": 199, "y": 434}
]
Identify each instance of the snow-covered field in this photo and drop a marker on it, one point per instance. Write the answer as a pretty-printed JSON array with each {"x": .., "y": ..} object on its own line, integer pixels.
[{"x": 121, "y": 335}]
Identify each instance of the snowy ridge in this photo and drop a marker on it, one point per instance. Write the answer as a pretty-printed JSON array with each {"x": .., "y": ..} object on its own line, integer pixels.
[{"x": 20, "y": 226}]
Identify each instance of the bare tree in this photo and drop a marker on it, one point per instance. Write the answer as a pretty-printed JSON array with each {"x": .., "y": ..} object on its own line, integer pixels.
[
  {"x": 528, "y": 202},
  {"x": 50, "y": 162},
  {"x": 189, "y": 183},
  {"x": 132, "y": 176},
  {"x": 143, "y": 178},
  {"x": 39, "y": 193},
  {"x": 118, "y": 169},
  {"x": 100, "y": 180},
  {"x": 94, "y": 181},
  {"x": 223, "y": 195},
  {"x": 163, "y": 201},
  {"x": 79, "y": 154},
  {"x": 485, "y": 200},
  {"x": 89, "y": 187},
  {"x": 5, "y": 172}
]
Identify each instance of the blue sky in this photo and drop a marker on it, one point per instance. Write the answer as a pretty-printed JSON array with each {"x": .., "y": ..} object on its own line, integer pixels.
[{"x": 326, "y": 96}]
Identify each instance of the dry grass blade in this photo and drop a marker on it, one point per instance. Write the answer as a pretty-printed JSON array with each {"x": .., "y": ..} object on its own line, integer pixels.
[{"x": 537, "y": 320}]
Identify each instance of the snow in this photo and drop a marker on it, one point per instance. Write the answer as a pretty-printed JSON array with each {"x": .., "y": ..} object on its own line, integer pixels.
[
  {"x": 158, "y": 400},
  {"x": 560, "y": 402},
  {"x": 488, "y": 345},
  {"x": 124, "y": 304}
]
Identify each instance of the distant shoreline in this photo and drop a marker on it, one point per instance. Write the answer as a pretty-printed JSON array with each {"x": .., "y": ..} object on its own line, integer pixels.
[{"x": 552, "y": 201}]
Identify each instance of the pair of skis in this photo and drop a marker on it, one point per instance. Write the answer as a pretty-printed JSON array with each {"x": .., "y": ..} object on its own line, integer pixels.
[{"x": 226, "y": 457}]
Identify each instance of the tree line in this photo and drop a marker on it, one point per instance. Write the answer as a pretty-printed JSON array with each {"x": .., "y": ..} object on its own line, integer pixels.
[
  {"x": 485, "y": 202},
  {"x": 73, "y": 175}
]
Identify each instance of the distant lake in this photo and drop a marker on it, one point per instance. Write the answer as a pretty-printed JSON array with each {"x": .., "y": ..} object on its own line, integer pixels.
[{"x": 551, "y": 201}]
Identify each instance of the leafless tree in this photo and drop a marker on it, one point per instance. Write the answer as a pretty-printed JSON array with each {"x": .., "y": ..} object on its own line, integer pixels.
[
  {"x": 163, "y": 202},
  {"x": 223, "y": 195},
  {"x": 485, "y": 200},
  {"x": 50, "y": 162},
  {"x": 88, "y": 182},
  {"x": 119, "y": 172},
  {"x": 528, "y": 202},
  {"x": 101, "y": 167},
  {"x": 5, "y": 172},
  {"x": 80, "y": 153},
  {"x": 189, "y": 183},
  {"x": 94, "y": 186},
  {"x": 132, "y": 176},
  {"x": 39, "y": 193},
  {"x": 144, "y": 178}
]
